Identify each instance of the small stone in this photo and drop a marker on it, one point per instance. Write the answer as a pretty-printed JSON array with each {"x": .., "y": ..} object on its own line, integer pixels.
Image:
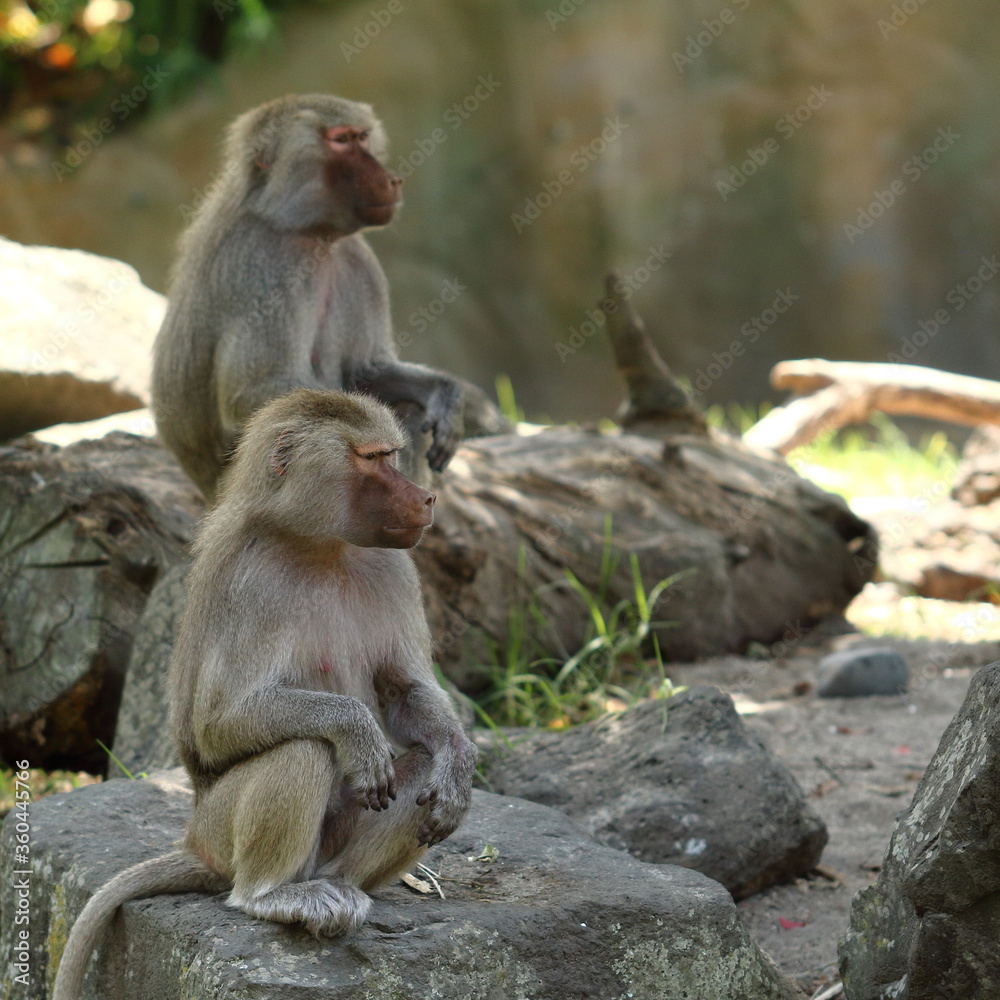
[{"x": 860, "y": 672}]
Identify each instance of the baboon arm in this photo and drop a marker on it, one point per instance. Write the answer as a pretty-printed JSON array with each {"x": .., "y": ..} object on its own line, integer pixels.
[
  {"x": 269, "y": 716},
  {"x": 440, "y": 396},
  {"x": 419, "y": 713}
]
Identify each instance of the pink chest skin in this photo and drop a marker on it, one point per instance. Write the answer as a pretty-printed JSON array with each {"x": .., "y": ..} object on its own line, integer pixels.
[{"x": 324, "y": 665}]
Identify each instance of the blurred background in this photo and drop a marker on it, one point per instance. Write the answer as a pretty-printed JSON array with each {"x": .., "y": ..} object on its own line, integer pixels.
[{"x": 789, "y": 178}]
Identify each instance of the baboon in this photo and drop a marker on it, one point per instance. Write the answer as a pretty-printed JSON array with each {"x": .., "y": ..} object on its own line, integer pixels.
[
  {"x": 323, "y": 754},
  {"x": 275, "y": 287}
]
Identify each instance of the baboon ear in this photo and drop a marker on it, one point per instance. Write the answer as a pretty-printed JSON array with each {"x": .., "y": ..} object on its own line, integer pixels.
[{"x": 281, "y": 453}]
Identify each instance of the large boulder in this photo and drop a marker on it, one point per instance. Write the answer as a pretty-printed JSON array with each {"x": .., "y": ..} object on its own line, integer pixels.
[
  {"x": 680, "y": 782},
  {"x": 554, "y": 917},
  {"x": 75, "y": 338},
  {"x": 928, "y": 928}
]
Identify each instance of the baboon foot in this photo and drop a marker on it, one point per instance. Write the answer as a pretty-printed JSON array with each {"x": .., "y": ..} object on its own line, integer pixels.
[{"x": 327, "y": 908}]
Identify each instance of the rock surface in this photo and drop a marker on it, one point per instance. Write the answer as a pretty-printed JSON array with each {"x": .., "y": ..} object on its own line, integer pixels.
[
  {"x": 138, "y": 422},
  {"x": 977, "y": 478},
  {"x": 680, "y": 782},
  {"x": 75, "y": 337},
  {"x": 143, "y": 741},
  {"x": 928, "y": 928},
  {"x": 555, "y": 917},
  {"x": 939, "y": 547},
  {"x": 862, "y": 671}
]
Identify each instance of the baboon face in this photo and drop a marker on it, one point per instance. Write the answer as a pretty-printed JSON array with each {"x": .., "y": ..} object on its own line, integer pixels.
[
  {"x": 335, "y": 478},
  {"x": 387, "y": 510},
  {"x": 357, "y": 180}
]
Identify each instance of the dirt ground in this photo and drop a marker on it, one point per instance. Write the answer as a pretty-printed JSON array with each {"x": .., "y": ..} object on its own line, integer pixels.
[{"x": 859, "y": 759}]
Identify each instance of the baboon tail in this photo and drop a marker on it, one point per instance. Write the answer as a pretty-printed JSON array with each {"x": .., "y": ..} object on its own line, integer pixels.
[{"x": 178, "y": 871}]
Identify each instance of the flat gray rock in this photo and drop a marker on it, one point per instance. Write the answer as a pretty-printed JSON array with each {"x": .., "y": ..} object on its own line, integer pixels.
[
  {"x": 862, "y": 671},
  {"x": 928, "y": 928},
  {"x": 680, "y": 782},
  {"x": 555, "y": 917}
]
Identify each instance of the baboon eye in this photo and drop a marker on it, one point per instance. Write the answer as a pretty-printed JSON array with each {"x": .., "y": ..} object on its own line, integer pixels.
[{"x": 370, "y": 456}]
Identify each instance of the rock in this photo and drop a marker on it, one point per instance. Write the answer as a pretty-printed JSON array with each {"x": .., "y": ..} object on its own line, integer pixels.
[
  {"x": 138, "y": 422},
  {"x": 76, "y": 337},
  {"x": 680, "y": 782},
  {"x": 143, "y": 740},
  {"x": 928, "y": 928},
  {"x": 555, "y": 917},
  {"x": 84, "y": 533},
  {"x": 862, "y": 671},
  {"x": 947, "y": 583},
  {"x": 977, "y": 478},
  {"x": 941, "y": 548}
]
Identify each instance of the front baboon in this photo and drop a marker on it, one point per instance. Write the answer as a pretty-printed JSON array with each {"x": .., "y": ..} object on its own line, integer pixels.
[{"x": 323, "y": 753}]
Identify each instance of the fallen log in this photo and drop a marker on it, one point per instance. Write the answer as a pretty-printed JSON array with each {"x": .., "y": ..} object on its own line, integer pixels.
[
  {"x": 833, "y": 394},
  {"x": 84, "y": 533}
]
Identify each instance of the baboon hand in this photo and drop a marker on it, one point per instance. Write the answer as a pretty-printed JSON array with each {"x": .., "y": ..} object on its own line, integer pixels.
[
  {"x": 448, "y": 792},
  {"x": 365, "y": 757},
  {"x": 444, "y": 420}
]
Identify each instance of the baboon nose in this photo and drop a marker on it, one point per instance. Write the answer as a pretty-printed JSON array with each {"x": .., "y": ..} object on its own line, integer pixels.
[{"x": 431, "y": 500}]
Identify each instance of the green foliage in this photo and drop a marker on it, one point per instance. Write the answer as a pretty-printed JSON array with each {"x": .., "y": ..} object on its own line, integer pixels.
[
  {"x": 41, "y": 783},
  {"x": 531, "y": 687},
  {"x": 735, "y": 418},
  {"x": 878, "y": 461},
  {"x": 69, "y": 67},
  {"x": 121, "y": 767},
  {"x": 506, "y": 401}
]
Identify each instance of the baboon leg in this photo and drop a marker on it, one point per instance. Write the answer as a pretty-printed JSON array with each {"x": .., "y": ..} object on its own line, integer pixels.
[
  {"x": 368, "y": 849},
  {"x": 260, "y": 825}
]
